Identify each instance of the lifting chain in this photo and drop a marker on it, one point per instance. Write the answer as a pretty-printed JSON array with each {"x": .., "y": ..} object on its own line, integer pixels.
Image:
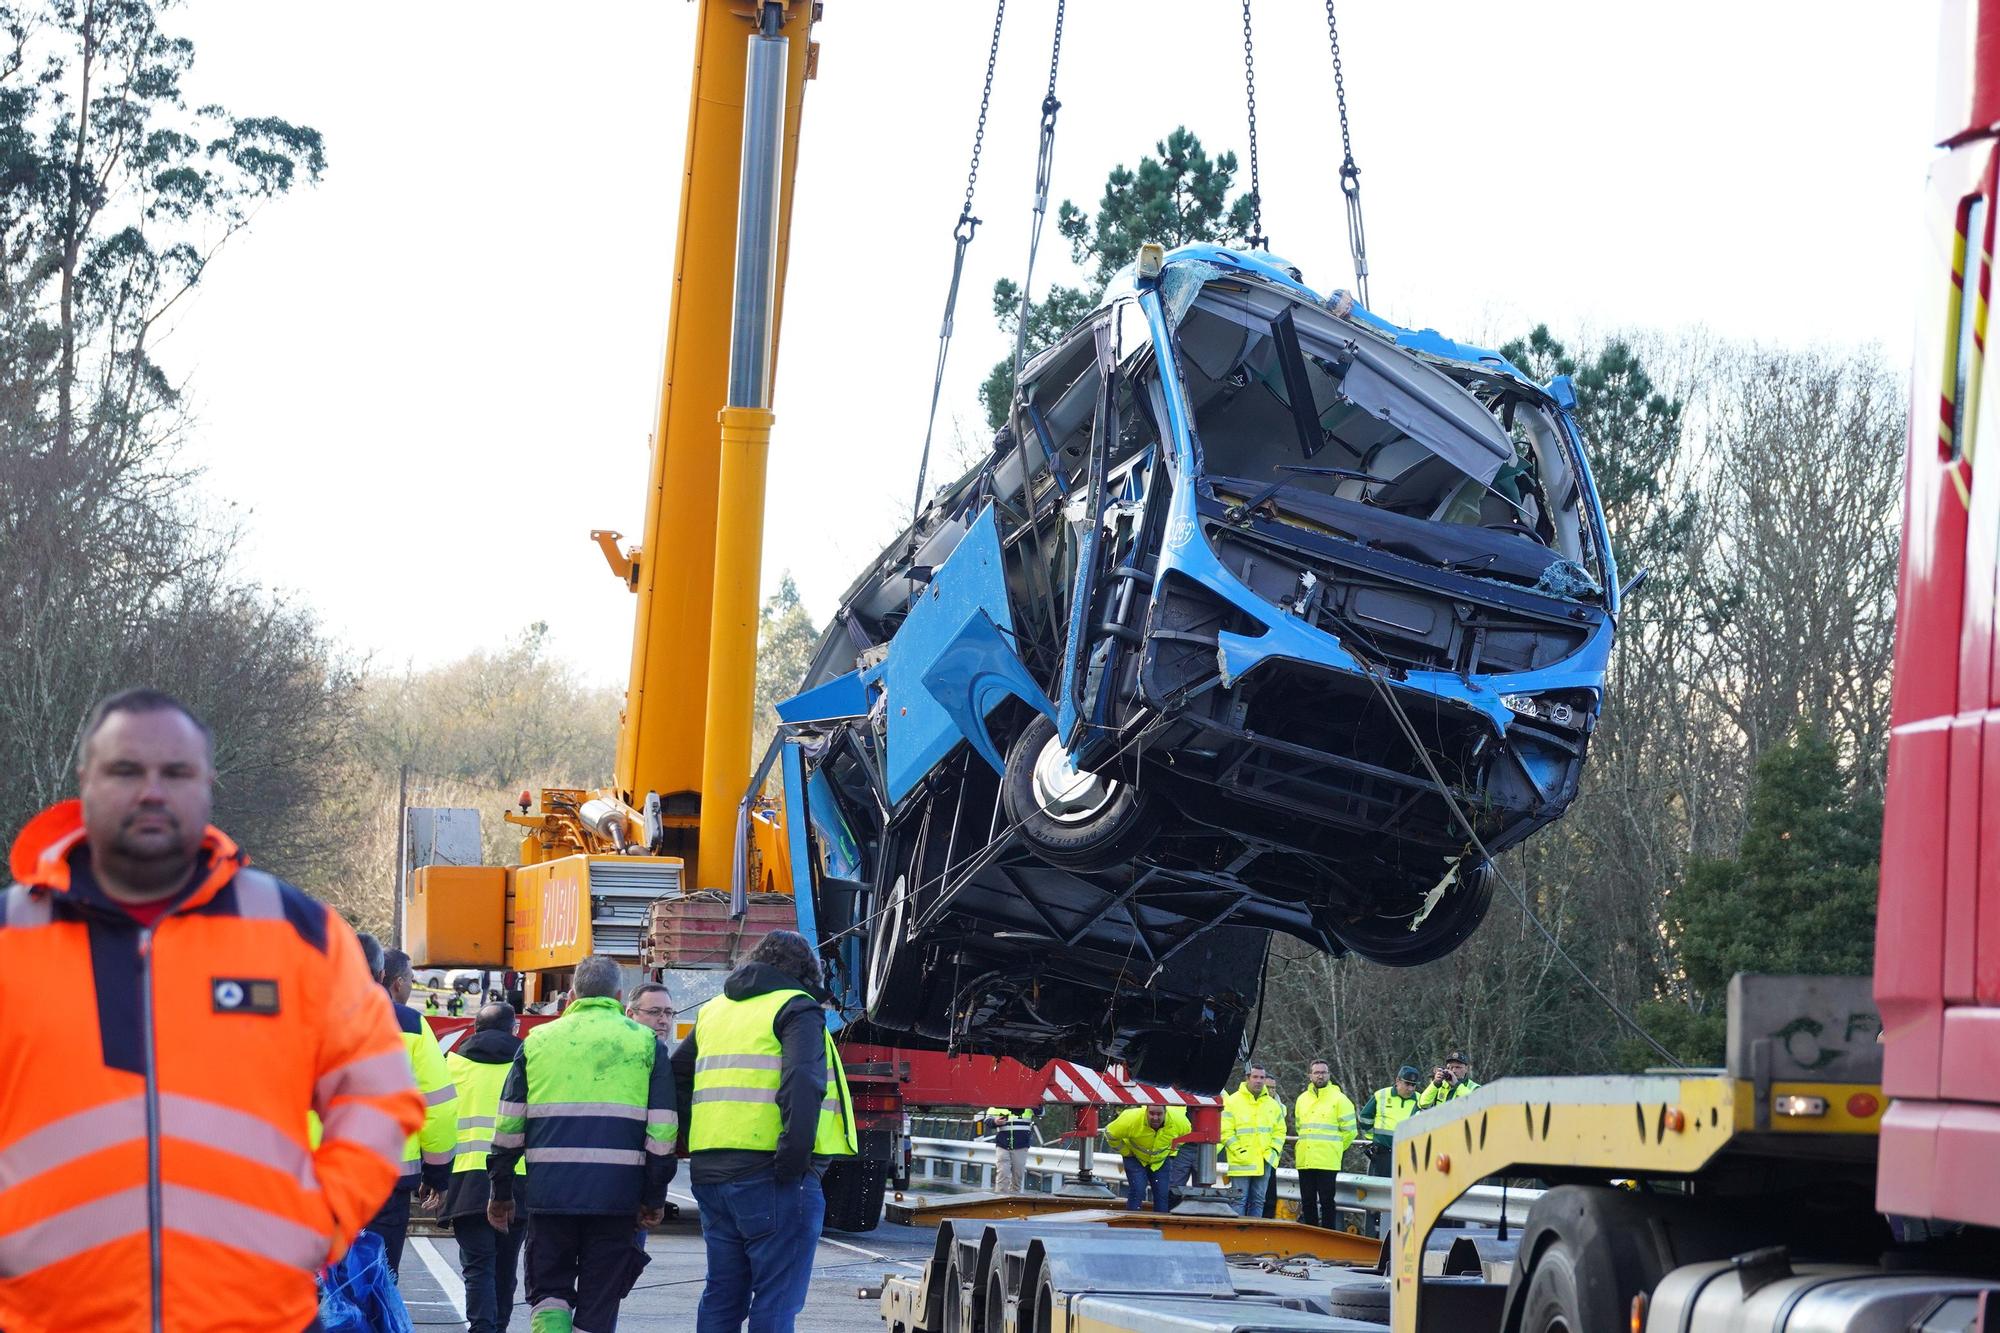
[
  {"x": 1044, "y": 161},
  {"x": 1256, "y": 240},
  {"x": 961, "y": 234},
  {"x": 1350, "y": 175}
]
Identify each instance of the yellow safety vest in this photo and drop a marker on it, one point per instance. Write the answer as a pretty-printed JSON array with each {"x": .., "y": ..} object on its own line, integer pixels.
[
  {"x": 1325, "y": 1124},
  {"x": 1433, "y": 1094},
  {"x": 478, "y": 1087},
  {"x": 1253, "y": 1131},
  {"x": 1131, "y": 1136},
  {"x": 736, "y": 1071},
  {"x": 1391, "y": 1111},
  {"x": 433, "y": 1144}
]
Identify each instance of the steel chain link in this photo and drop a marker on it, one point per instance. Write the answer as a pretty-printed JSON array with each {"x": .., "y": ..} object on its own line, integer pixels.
[
  {"x": 1256, "y": 239},
  {"x": 1350, "y": 174}
]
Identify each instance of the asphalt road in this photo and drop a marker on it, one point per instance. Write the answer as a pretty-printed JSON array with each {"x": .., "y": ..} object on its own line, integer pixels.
[{"x": 665, "y": 1298}]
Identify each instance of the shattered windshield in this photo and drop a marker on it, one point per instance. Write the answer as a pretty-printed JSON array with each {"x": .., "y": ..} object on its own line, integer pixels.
[{"x": 1314, "y": 420}]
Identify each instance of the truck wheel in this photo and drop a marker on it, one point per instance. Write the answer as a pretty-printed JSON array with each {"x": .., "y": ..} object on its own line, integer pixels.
[
  {"x": 1360, "y": 1296},
  {"x": 1553, "y": 1304},
  {"x": 1072, "y": 820},
  {"x": 895, "y": 985},
  {"x": 1587, "y": 1250},
  {"x": 853, "y": 1187},
  {"x": 1386, "y": 940}
]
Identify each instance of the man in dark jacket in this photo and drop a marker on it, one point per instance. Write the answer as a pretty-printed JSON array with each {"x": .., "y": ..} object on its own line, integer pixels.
[
  {"x": 589, "y": 1102},
  {"x": 488, "y": 1257},
  {"x": 768, "y": 1108}
]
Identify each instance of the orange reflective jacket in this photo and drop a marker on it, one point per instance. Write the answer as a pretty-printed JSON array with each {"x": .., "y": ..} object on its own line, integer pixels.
[{"x": 154, "y": 1084}]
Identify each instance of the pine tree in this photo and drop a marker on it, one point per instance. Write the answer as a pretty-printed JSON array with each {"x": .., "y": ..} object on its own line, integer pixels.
[
  {"x": 786, "y": 637},
  {"x": 1633, "y": 432},
  {"x": 1798, "y": 897},
  {"x": 1177, "y": 198}
]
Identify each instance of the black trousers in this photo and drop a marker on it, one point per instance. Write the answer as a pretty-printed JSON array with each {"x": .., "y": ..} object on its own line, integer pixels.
[
  {"x": 1316, "y": 1196},
  {"x": 489, "y": 1260},
  {"x": 580, "y": 1262},
  {"x": 392, "y": 1224}
]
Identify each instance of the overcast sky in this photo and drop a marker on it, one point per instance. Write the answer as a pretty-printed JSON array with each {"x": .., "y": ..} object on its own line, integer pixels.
[{"x": 427, "y": 379}]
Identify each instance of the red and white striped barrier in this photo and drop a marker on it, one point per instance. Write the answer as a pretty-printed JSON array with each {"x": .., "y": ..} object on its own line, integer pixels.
[{"x": 1079, "y": 1085}]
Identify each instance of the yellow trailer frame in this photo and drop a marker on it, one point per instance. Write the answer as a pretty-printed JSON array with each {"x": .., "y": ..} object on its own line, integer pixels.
[{"x": 1643, "y": 1125}]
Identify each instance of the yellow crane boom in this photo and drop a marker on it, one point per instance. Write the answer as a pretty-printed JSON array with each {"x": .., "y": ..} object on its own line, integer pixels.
[
  {"x": 592, "y": 862},
  {"x": 686, "y": 727}
]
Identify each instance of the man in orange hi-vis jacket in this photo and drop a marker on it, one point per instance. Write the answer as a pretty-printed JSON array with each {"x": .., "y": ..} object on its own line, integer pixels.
[{"x": 167, "y": 1017}]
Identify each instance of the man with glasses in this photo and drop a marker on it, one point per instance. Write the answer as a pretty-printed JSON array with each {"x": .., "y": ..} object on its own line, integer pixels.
[{"x": 651, "y": 1005}]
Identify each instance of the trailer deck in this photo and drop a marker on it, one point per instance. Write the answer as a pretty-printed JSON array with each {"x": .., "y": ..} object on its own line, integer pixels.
[{"x": 667, "y": 1292}]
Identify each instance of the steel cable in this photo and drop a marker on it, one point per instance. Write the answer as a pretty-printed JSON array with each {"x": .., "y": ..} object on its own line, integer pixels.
[
  {"x": 961, "y": 234},
  {"x": 1409, "y": 731},
  {"x": 1044, "y": 165}
]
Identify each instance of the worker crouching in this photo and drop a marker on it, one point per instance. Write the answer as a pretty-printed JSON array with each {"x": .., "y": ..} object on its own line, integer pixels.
[
  {"x": 168, "y": 1017},
  {"x": 1145, "y": 1137},
  {"x": 593, "y": 1112},
  {"x": 768, "y": 1107}
]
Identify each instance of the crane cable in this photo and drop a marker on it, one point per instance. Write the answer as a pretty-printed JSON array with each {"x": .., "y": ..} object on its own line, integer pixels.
[
  {"x": 1256, "y": 240},
  {"x": 1350, "y": 174},
  {"x": 961, "y": 233},
  {"x": 1375, "y": 671},
  {"x": 1044, "y": 161}
]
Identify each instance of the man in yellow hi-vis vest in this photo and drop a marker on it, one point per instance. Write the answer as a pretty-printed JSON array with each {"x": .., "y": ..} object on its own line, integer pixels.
[
  {"x": 1253, "y": 1136},
  {"x": 1013, "y": 1131},
  {"x": 487, "y": 1256},
  {"x": 589, "y": 1102},
  {"x": 1323, "y": 1118},
  {"x": 427, "y": 1155},
  {"x": 767, "y": 1108},
  {"x": 1145, "y": 1137}
]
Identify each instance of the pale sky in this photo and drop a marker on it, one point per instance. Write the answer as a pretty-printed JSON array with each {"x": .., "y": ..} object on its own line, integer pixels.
[{"x": 426, "y": 380}]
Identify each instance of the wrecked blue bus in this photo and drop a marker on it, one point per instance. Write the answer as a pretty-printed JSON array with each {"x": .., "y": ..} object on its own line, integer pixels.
[{"x": 1263, "y": 614}]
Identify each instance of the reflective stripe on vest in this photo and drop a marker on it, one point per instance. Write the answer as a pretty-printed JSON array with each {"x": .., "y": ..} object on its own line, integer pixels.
[
  {"x": 21, "y": 908},
  {"x": 478, "y": 1085},
  {"x": 1325, "y": 1127},
  {"x": 1253, "y": 1131},
  {"x": 1391, "y": 1111},
  {"x": 736, "y": 1076}
]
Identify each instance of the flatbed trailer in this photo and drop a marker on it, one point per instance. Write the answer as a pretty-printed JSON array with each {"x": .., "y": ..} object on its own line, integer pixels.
[{"x": 1649, "y": 1173}]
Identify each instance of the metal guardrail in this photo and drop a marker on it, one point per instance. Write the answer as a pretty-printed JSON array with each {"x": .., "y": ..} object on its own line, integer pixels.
[{"x": 971, "y": 1163}]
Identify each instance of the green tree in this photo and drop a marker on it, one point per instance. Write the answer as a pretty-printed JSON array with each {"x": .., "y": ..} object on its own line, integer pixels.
[
  {"x": 1177, "y": 198},
  {"x": 1633, "y": 433},
  {"x": 115, "y": 196},
  {"x": 786, "y": 637},
  {"x": 1798, "y": 897}
]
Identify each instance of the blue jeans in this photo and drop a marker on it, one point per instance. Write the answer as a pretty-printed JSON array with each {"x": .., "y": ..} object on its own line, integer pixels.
[
  {"x": 1250, "y": 1191},
  {"x": 761, "y": 1237},
  {"x": 1142, "y": 1181}
]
